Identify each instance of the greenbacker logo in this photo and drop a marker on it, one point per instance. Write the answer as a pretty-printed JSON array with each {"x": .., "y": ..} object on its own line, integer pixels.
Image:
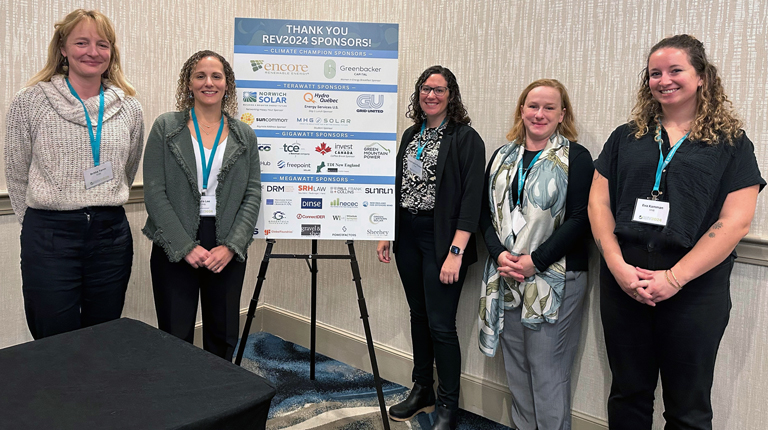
[{"x": 329, "y": 70}]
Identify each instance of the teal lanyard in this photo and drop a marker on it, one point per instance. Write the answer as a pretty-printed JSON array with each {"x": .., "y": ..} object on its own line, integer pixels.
[
  {"x": 521, "y": 175},
  {"x": 664, "y": 162},
  {"x": 95, "y": 140},
  {"x": 206, "y": 166},
  {"x": 420, "y": 148}
]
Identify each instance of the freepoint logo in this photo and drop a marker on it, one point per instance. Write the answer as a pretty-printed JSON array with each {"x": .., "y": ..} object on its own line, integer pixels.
[
  {"x": 282, "y": 163},
  {"x": 311, "y": 203}
]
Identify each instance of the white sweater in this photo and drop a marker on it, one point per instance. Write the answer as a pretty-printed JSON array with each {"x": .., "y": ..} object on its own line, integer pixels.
[{"x": 47, "y": 147}]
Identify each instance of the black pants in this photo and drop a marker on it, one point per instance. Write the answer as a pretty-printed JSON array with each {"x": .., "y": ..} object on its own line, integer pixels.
[
  {"x": 433, "y": 307},
  {"x": 75, "y": 267},
  {"x": 678, "y": 339},
  {"x": 177, "y": 286}
]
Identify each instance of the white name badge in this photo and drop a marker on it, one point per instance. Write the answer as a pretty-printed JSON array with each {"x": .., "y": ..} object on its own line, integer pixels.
[
  {"x": 98, "y": 175},
  {"x": 208, "y": 206},
  {"x": 651, "y": 212},
  {"x": 518, "y": 221},
  {"x": 415, "y": 166}
]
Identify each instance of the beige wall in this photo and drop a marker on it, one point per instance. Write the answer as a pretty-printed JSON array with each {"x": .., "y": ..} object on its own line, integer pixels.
[{"x": 595, "y": 47}]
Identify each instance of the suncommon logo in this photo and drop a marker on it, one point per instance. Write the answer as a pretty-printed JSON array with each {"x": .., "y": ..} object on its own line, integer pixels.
[
  {"x": 370, "y": 103},
  {"x": 374, "y": 151},
  {"x": 307, "y": 203},
  {"x": 310, "y": 229}
]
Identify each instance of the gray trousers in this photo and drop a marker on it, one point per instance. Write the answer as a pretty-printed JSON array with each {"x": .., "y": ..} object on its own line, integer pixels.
[{"x": 538, "y": 363}]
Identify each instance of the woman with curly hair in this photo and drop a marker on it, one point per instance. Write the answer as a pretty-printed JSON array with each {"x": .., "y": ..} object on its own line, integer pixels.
[
  {"x": 72, "y": 149},
  {"x": 438, "y": 190},
  {"x": 202, "y": 192},
  {"x": 674, "y": 191}
]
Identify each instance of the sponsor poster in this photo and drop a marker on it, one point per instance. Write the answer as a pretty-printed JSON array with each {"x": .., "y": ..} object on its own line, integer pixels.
[{"x": 322, "y": 98}]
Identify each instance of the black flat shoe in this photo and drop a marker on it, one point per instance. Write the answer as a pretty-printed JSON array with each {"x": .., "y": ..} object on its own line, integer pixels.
[
  {"x": 445, "y": 419},
  {"x": 421, "y": 399}
]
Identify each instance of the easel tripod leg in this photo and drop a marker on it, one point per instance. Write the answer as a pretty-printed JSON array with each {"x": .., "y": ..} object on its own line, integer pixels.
[{"x": 254, "y": 301}]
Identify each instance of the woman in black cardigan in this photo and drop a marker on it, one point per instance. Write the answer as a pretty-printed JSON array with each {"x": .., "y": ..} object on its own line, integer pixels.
[{"x": 439, "y": 185}]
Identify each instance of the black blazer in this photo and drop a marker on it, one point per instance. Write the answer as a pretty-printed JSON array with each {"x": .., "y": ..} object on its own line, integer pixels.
[{"x": 458, "y": 187}]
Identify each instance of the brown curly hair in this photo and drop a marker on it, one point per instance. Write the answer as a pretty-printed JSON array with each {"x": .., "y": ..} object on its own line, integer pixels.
[
  {"x": 184, "y": 98},
  {"x": 455, "y": 112},
  {"x": 567, "y": 128},
  {"x": 715, "y": 117}
]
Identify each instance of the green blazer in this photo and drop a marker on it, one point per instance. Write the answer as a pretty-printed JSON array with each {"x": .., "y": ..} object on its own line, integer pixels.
[{"x": 171, "y": 193}]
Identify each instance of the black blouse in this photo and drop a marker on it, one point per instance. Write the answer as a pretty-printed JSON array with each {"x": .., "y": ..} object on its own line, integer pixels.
[
  {"x": 572, "y": 237},
  {"x": 695, "y": 183}
]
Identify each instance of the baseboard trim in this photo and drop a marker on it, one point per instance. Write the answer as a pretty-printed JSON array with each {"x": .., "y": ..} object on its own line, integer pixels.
[{"x": 484, "y": 398}]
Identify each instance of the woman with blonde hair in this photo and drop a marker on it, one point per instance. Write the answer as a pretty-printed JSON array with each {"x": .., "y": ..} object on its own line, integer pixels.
[
  {"x": 534, "y": 222},
  {"x": 73, "y": 144},
  {"x": 674, "y": 191},
  {"x": 202, "y": 190}
]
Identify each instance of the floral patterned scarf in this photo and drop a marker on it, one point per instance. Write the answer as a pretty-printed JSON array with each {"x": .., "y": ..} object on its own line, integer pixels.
[{"x": 543, "y": 206}]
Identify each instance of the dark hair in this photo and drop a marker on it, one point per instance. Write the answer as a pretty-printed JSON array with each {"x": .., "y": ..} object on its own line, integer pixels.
[
  {"x": 456, "y": 111},
  {"x": 184, "y": 98},
  {"x": 715, "y": 116}
]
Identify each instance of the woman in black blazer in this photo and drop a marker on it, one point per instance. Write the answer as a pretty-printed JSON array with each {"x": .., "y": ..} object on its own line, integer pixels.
[{"x": 439, "y": 185}]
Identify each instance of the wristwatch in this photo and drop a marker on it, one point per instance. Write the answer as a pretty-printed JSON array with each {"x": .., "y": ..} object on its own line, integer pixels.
[{"x": 455, "y": 250}]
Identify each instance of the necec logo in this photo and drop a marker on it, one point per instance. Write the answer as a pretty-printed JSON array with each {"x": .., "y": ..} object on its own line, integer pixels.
[
  {"x": 307, "y": 203},
  {"x": 338, "y": 203},
  {"x": 370, "y": 103}
]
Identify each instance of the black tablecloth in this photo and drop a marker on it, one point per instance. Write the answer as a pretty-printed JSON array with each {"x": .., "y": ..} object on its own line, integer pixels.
[{"x": 126, "y": 375}]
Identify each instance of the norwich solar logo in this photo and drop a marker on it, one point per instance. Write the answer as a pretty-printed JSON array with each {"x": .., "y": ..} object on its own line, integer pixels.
[
  {"x": 257, "y": 65},
  {"x": 250, "y": 97}
]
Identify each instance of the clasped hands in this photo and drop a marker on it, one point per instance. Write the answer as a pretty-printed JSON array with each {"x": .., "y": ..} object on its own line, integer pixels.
[
  {"x": 646, "y": 286},
  {"x": 515, "y": 267},
  {"x": 214, "y": 260}
]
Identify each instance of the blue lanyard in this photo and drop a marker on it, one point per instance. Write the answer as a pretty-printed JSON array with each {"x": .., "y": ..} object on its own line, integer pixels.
[
  {"x": 664, "y": 162},
  {"x": 206, "y": 166},
  {"x": 521, "y": 175},
  {"x": 95, "y": 140},
  {"x": 420, "y": 148}
]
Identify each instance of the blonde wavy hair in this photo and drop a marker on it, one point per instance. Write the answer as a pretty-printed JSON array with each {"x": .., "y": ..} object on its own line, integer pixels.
[
  {"x": 185, "y": 100},
  {"x": 567, "y": 128},
  {"x": 55, "y": 64},
  {"x": 715, "y": 117}
]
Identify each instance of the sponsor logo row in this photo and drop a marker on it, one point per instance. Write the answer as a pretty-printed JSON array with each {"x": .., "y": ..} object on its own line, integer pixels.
[
  {"x": 330, "y": 68},
  {"x": 316, "y": 230},
  {"x": 371, "y": 151},
  {"x": 324, "y": 189}
]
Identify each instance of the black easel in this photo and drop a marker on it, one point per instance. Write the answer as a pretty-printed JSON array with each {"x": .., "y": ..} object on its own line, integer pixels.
[{"x": 311, "y": 260}]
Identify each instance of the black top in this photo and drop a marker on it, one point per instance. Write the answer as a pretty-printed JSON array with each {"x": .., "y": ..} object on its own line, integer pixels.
[
  {"x": 458, "y": 187},
  {"x": 572, "y": 237},
  {"x": 696, "y": 183}
]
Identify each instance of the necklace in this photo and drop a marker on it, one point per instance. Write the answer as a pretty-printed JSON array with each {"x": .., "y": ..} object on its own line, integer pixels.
[{"x": 207, "y": 129}]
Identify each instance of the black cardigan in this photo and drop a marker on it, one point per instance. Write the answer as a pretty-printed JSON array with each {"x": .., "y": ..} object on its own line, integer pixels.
[{"x": 458, "y": 187}]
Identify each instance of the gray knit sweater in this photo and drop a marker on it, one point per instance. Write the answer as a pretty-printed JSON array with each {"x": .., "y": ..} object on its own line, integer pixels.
[{"x": 47, "y": 147}]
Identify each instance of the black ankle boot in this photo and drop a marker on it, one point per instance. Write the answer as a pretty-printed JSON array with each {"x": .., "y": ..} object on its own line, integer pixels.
[
  {"x": 445, "y": 419},
  {"x": 421, "y": 399}
]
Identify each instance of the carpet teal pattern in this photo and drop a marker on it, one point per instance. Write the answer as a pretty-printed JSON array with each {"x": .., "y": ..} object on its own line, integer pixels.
[{"x": 340, "y": 398}]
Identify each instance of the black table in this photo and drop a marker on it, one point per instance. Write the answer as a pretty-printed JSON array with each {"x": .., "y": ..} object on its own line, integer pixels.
[{"x": 125, "y": 374}]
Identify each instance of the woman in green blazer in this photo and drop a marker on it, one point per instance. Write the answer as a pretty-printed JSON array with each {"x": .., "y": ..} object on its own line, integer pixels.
[{"x": 202, "y": 192}]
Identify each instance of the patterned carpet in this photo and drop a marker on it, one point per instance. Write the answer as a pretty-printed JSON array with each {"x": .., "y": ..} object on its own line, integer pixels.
[{"x": 340, "y": 398}]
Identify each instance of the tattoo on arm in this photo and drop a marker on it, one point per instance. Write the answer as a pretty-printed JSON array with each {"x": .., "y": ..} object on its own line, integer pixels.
[
  {"x": 599, "y": 246},
  {"x": 716, "y": 226}
]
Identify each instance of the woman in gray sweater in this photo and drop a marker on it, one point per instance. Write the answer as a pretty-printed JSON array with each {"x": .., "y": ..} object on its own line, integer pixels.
[
  {"x": 202, "y": 191},
  {"x": 72, "y": 148}
]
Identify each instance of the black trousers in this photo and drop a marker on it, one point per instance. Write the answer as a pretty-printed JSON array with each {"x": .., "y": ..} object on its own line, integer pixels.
[
  {"x": 433, "y": 307},
  {"x": 75, "y": 267},
  {"x": 177, "y": 286},
  {"x": 678, "y": 339}
]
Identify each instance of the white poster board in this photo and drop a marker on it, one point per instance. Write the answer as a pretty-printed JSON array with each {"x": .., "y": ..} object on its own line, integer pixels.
[{"x": 322, "y": 99}]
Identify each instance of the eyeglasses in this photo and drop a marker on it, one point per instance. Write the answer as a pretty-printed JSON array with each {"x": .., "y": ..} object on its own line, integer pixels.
[{"x": 439, "y": 91}]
